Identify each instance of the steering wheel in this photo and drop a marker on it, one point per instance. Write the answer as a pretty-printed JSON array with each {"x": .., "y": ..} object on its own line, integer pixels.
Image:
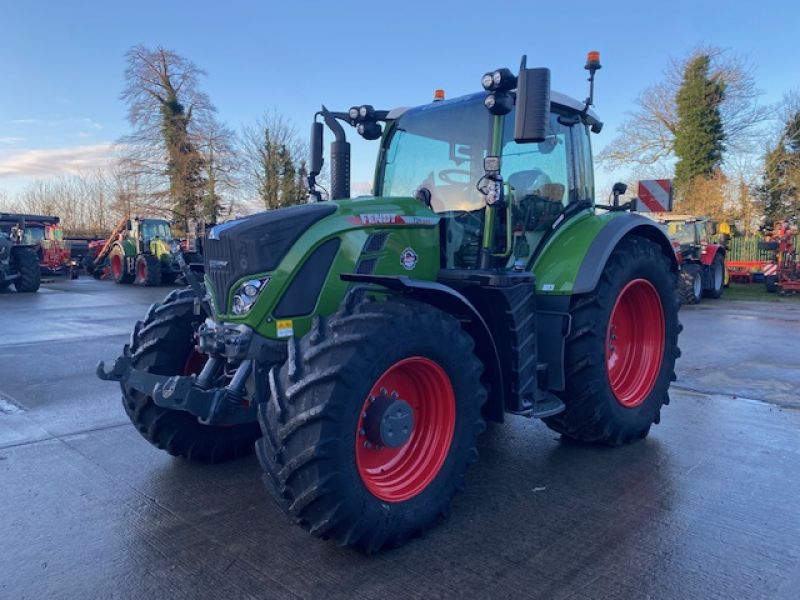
[{"x": 446, "y": 175}]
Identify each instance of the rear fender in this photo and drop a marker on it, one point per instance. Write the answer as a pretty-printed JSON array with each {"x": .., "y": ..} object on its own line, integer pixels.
[
  {"x": 572, "y": 263},
  {"x": 710, "y": 252}
]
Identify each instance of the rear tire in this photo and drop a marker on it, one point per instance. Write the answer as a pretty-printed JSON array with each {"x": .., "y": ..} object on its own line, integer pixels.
[
  {"x": 771, "y": 283},
  {"x": 638, "y": 282},
  {"x": 319, "y": 463},
  {"x": 25, "y": 263},
  {"x": 119, "y": 266},
  {"x": 163, "y": 343},
  {"x": 717, "y": 276},
  {"x": 690, "y": 284},
  {"x": 148, "y": 270}
]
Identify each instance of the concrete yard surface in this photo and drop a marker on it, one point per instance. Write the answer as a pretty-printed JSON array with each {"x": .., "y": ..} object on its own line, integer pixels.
[{"x": 706, "y": 507}]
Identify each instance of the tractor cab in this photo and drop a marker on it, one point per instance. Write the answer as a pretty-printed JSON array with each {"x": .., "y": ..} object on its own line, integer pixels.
[
  {"x": 437, "y": 153},
  {"x": 147, "y": 231}
]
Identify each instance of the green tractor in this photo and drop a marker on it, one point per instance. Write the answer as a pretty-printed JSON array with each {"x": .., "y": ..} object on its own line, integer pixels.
[
  {"x": 361, "y": 344},
  {"x": 139, "y": 251}
]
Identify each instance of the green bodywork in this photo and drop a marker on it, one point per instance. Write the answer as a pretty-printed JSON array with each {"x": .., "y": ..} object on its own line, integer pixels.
[
  {"x": 351, "y": 224},
  {"x": 557, "y": 265}
]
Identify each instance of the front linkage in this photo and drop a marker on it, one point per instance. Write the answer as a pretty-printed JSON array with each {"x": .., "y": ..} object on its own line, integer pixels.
[{"x": 196, "y": 393}]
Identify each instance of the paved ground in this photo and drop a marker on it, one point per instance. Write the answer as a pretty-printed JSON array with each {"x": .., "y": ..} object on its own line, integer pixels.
[{"x": 706, "y": 507}]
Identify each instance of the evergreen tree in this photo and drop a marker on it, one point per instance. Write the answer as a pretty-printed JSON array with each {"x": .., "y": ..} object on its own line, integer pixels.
[
  {"x": 700, "y": 135},
  {"x": 780, "y": 188}
]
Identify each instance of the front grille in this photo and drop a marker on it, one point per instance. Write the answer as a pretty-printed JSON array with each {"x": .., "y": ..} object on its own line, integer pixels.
[
  {"x": 255, "y": 244},
  {"x": 218, "y": 257}
]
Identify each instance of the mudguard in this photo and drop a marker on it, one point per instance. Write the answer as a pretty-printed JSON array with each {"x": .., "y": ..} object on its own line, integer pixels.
[
  {"x": 571, "y": 263},
  {"x": 574, "y": 258},
  {"x": 709, "y": 253}
]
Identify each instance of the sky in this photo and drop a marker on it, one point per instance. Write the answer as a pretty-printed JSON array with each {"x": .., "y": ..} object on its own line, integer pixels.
[{"x": 62, "y": 63}]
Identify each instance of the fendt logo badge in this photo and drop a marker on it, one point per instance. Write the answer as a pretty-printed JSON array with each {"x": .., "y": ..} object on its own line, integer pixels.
[{"x": 408, "y": 259}]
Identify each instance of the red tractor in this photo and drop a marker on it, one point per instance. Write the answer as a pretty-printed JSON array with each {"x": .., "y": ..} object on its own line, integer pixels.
[
  {"x": 46, "y": 236},
  {"x": 782, "y": 273},
  {"x": 703, "y": 271}
]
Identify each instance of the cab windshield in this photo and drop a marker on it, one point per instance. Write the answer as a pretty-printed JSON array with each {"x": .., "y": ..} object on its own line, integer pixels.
[
  {"x": 440, "y": 147},
  {"x": 155, "y": 229},
  {"x": 681, "y": 231},
  {"x": 33, "y": 235}
]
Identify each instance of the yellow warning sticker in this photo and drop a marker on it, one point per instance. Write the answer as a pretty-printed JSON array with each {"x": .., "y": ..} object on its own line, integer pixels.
[{"x": 285, "y": 328}]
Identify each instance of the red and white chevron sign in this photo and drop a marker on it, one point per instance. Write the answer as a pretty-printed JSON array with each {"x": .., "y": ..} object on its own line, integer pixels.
[
  {"x": 655, "y": 195},
  {"x": 770, "y": 269}
]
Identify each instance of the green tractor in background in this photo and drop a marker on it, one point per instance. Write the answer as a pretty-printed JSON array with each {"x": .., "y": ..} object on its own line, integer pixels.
[
  {"x": 139, "y": 251},
  {"x": 360, "y": 344}
]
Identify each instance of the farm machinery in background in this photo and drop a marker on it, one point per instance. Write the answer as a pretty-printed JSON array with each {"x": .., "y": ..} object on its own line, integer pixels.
[
  {"x": 702, "y": 261},
  {"x": 46, "y": 236},
  {"x": 782, "y": 271},
  {"x": 19, "y": 264},
  {"x": 139, "y": 250}
]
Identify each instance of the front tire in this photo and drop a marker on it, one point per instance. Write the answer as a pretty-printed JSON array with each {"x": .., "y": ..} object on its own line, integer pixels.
[
  {"x": 329, "y": 461},
  {"x": 620, "y": 354},
  {"x": 690, "y": 284},
  {"x": 148, "y": 270},
  {"x": 164, "y": 343},
  {"x": 25, "y": 263}
]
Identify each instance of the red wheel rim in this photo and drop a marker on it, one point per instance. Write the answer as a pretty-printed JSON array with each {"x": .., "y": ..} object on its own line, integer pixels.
[
  {"x": 194, "y": 362},
  {"x": 398, "y": 474},
  {"x": 142, "y": 271},
  {"x": 635, "y": 342},
  {"x": 116, "y": 266}
]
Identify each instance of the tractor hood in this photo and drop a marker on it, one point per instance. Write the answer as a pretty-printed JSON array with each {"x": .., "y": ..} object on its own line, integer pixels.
[{"x": 298, "y": 254}]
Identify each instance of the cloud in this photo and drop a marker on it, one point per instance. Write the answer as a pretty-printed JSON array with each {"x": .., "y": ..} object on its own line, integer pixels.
[
  {"x": 55, "y": 161},
  {"x": 85, "y": 122},
  {"x": 11, "y": 140}
]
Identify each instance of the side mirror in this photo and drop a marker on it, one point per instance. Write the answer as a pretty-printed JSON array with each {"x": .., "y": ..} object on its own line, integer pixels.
[
  {"x": 533, "y": 105},
  {"x": 316, "y": 149},
  {"x": 619, "y": 188}
]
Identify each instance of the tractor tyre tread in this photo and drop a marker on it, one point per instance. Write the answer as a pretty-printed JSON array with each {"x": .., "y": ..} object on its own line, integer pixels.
[
  {"x": 152, "y": 270},
  {"x": 592, "y": 413},
  {"x": 26, "y": 263},
  {"x": 713, "y": 292},
  {"x": 307, "y": 457},
  {"x": 160, "y": 344},
  {"x": 685, "y": 288}
]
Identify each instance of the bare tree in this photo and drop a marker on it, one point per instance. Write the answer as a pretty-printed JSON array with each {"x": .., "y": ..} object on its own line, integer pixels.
[
  {"x": 217, "y": 144},
  {"x": 274, "y": 165},
  {"x": 165, "y": 104},
  {"x": 647, "y": 137}
]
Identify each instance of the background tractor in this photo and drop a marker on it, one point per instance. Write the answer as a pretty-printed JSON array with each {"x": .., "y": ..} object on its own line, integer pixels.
[
  {"x": 703, "y": 271},
  {"x": 46, "y": 236},
  {"x": 19, "y": 264},
  {"x": 137, "y": 251},
  {"x": 362, "y": 343}
]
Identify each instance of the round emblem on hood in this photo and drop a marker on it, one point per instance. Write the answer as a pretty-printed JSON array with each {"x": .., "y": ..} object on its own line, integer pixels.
[{"x": 408, "y": 259}]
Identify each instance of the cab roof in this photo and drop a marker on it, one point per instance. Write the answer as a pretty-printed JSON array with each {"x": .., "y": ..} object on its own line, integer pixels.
[{"x": 557, "y": 100}]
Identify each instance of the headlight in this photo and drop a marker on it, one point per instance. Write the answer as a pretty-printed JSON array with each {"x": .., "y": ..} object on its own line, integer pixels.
[{"x": 246, "y": 295}]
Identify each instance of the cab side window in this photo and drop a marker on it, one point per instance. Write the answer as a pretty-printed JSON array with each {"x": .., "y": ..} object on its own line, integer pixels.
[{"x": 539, "y": 180}]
